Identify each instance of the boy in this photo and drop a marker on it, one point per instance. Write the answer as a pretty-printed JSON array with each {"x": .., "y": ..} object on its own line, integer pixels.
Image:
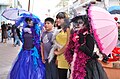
[{"x": 46, "y": 45}]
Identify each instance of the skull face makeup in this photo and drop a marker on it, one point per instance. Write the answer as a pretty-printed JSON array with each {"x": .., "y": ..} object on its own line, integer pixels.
[
  {"x": 78, "y": 25},
  {"x": 80, "y": 22}
]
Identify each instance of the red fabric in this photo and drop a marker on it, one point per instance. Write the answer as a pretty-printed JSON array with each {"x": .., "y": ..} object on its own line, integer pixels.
[{"x": 115, "y": 51}]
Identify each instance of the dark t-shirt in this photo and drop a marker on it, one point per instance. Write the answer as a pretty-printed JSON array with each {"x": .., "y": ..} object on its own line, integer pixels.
[
  {"x": 28, "y": 41},
  {"x": 46, "y": 39},
  {"x": 3, "y": 27}
]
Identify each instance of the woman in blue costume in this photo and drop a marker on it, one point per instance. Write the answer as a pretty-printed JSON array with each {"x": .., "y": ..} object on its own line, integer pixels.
[{"x": 28, "y": 64}]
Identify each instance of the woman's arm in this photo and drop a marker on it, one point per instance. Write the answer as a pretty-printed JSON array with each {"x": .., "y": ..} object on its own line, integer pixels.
[
  {"x": 88, "y": 47},
  {"x": 62, "y": 50}
]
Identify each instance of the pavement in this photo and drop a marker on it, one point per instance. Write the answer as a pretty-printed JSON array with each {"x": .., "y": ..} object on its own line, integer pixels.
[{"x": 8, "y": 53}]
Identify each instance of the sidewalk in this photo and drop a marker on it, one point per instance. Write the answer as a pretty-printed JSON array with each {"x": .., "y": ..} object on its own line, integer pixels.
[{"x": 8, "y": 53}]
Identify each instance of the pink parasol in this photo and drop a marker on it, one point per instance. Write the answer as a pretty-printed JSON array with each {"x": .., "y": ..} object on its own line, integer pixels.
[{"x": 104, "y": 29}]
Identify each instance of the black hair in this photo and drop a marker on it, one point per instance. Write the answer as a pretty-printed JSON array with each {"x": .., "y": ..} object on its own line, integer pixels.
[
  {"x": 50, "y": 20},
  {"x": 66, "y": 24},
  {"x": 82, "y": 17},
  {"x": 61, "y": 15},
  {"x": 28, "y": 19}
]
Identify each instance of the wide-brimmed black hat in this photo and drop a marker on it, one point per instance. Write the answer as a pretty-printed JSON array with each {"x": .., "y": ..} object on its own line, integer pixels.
[{"x": 75, "y": 19}]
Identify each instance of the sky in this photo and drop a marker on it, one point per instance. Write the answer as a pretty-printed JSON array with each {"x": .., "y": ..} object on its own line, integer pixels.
[{"x": 40, "y": 7}]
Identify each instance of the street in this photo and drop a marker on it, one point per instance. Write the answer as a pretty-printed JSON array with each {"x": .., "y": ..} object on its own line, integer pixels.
[{"x": 8, "y": 53}]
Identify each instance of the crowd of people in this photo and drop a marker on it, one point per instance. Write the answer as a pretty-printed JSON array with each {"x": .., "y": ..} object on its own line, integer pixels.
[
  {"x": 9, "y": 31},
  {"x": 62, "y": 50}
]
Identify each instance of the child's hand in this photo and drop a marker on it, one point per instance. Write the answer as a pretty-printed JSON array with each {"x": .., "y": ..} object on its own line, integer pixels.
[
  {"x": 56, "y": 52},
  {"x": 43, "y": 60}
]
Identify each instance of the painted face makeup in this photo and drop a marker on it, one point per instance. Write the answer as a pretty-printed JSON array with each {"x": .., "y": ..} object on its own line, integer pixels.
[
  {"x": 78, "y": 25},
  {"x": 30, "y": 23}
]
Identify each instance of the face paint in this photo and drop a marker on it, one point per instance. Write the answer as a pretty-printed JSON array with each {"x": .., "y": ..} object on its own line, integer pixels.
[
  {"x": 30, "y": 23},
  {"x": 78, "y": 25}
]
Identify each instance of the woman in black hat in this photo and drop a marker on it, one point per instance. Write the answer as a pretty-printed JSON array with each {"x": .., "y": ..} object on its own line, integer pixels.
[{"x": 79, "y": 53}]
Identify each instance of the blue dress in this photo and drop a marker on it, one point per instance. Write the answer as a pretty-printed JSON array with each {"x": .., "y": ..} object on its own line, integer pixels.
[{"x": 28, "y": 64}]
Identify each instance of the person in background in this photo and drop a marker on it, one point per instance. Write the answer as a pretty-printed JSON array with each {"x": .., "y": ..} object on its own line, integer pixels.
[
  {"x": 16, "y": 37},
  {"x": 9, "y": 25},
  {"x": 13, "y": 33},
  {"x": 46, "y": 45},
  {"x": 2, "y": 26},
  {"x": 4, "y": 32}
]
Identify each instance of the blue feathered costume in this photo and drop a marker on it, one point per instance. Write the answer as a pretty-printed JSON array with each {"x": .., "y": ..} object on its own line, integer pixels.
[{"x": 28, "y": 64}]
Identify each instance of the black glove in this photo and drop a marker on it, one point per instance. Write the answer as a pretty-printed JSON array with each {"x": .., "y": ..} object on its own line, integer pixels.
[
  {"x": 105, "y": 58},
  {"x": 81, "y": 38}
]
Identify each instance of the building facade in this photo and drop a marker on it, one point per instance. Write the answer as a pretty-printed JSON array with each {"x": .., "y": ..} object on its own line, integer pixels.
[
  {"x": 79, "y": 6},
  {"x": 4, "y": 4}
]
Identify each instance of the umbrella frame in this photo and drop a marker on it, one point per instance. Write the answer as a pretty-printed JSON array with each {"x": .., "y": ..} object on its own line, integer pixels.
[{"x": 18, "y": 13}]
